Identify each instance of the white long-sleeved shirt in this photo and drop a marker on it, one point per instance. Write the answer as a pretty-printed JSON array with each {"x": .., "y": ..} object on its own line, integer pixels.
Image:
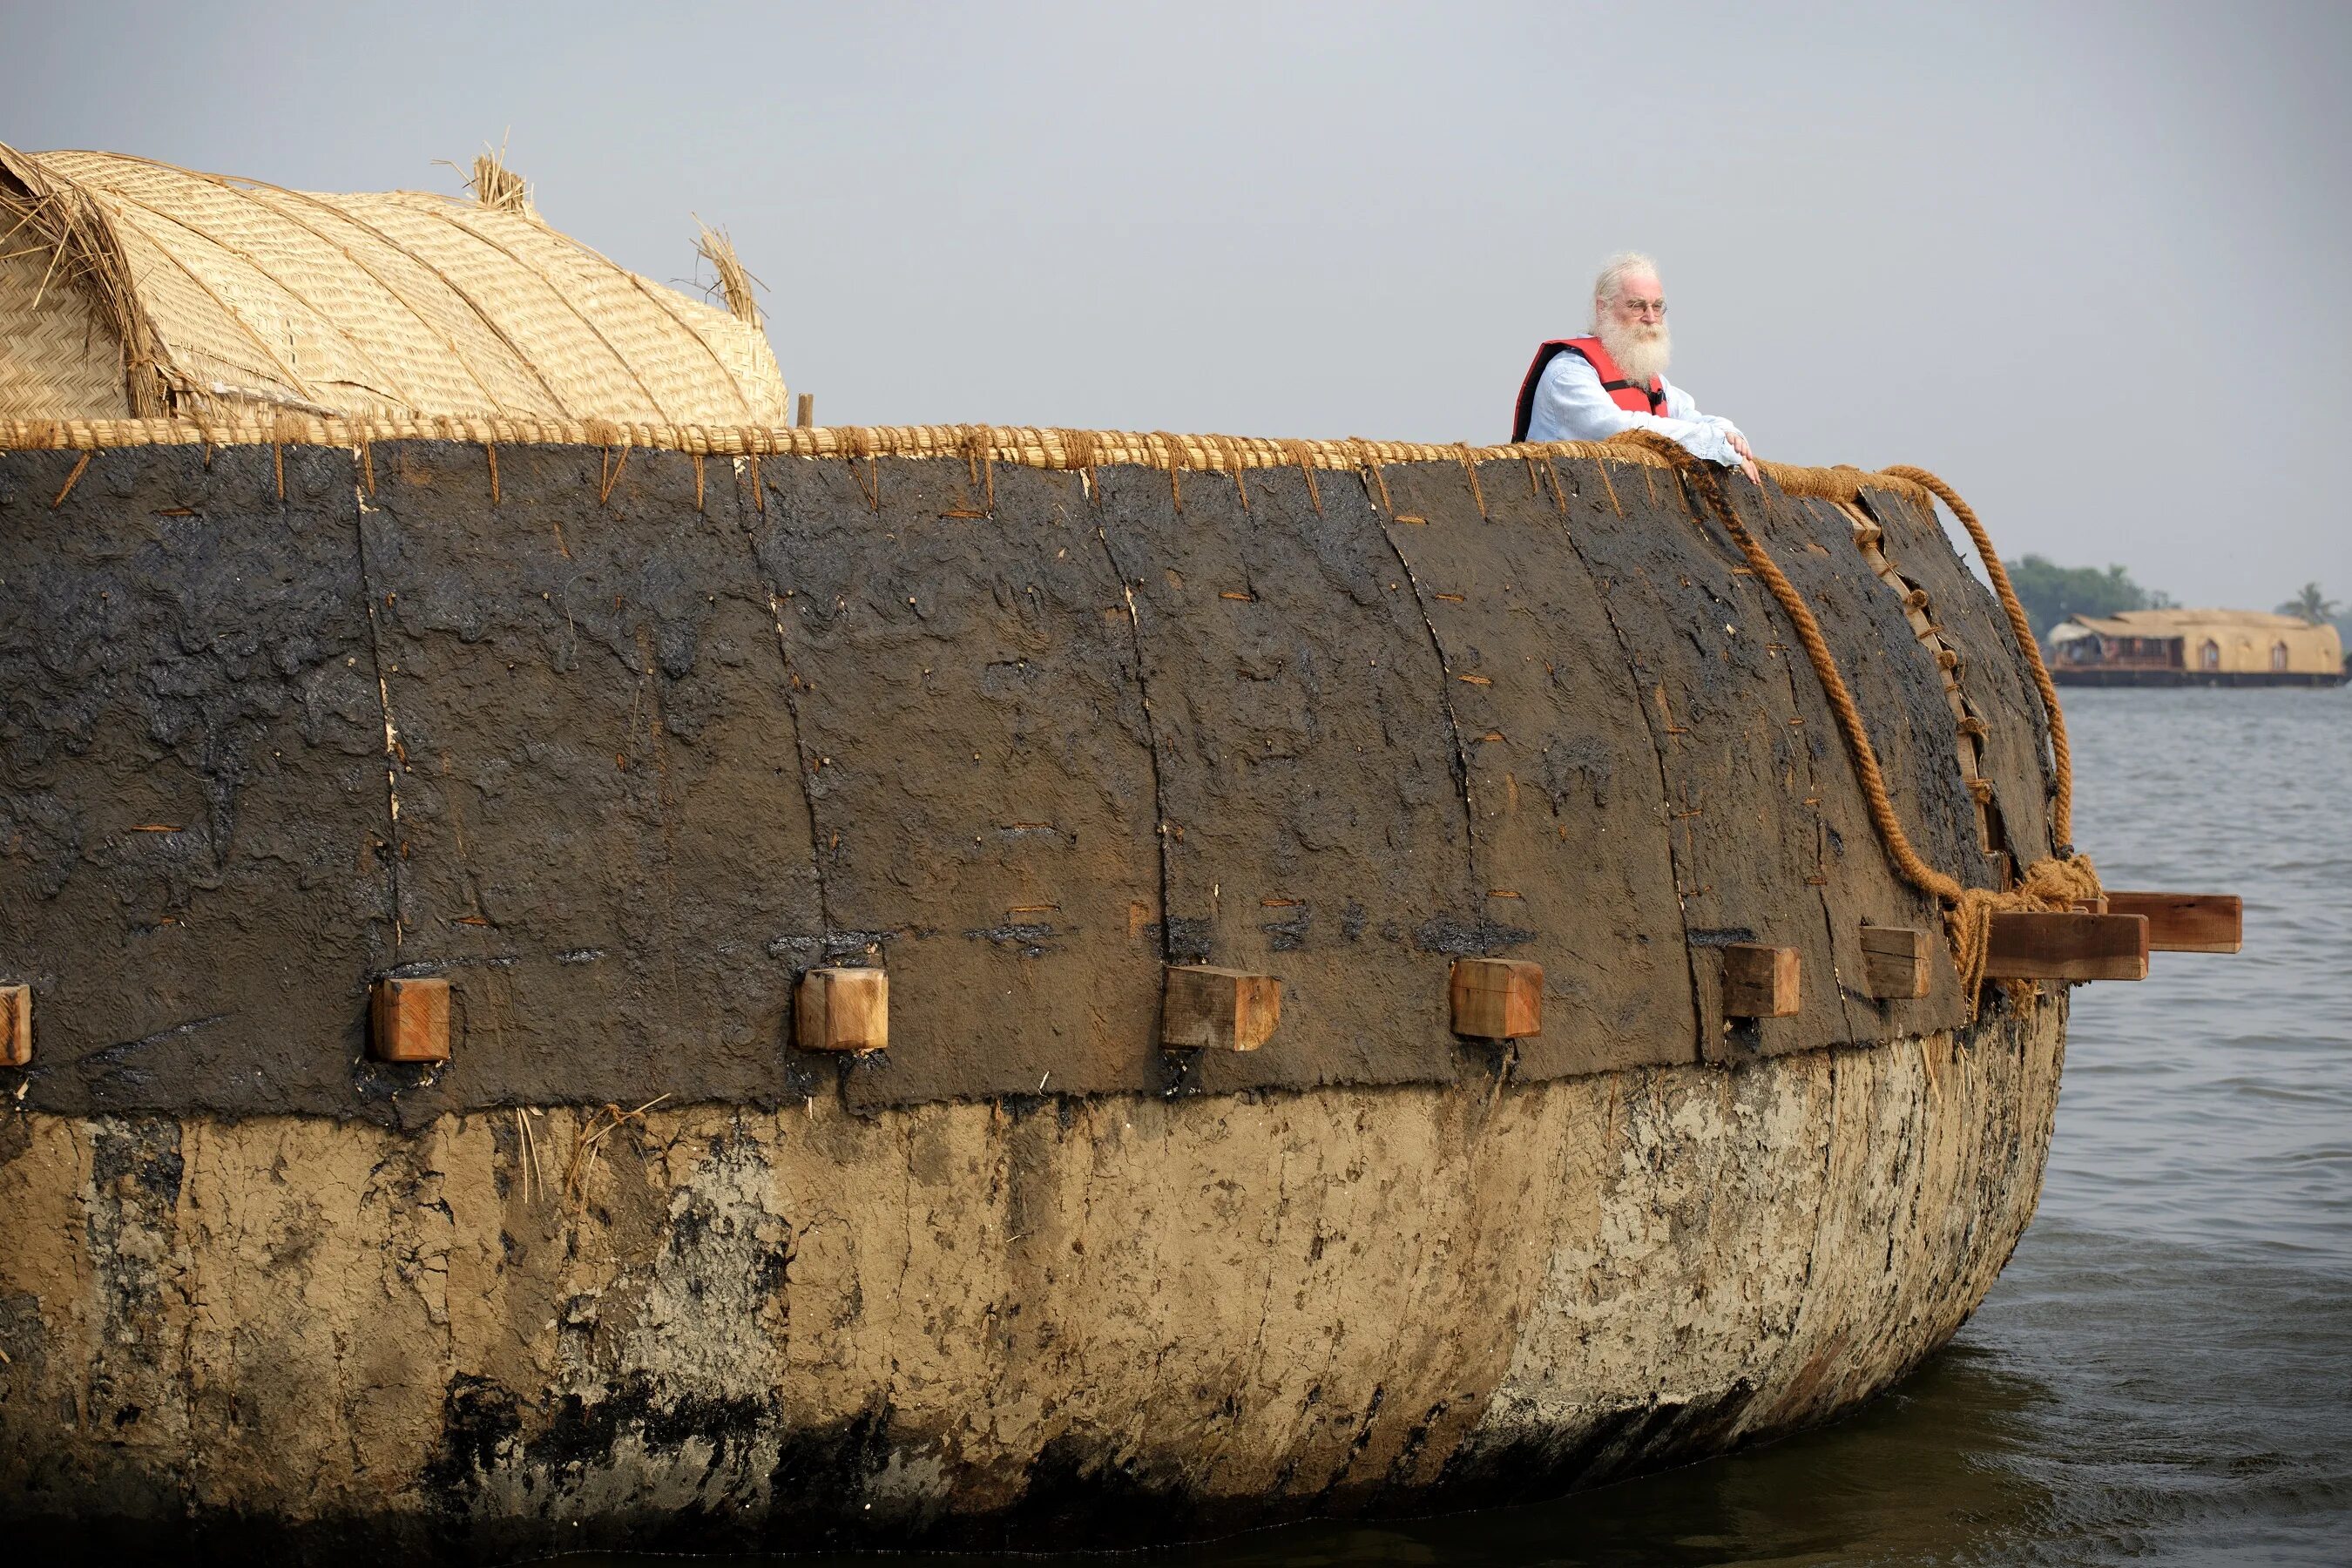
[{"x": 1570, "y": 406}]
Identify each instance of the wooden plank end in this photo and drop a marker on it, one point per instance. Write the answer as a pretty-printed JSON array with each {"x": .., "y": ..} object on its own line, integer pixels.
[
  {"x": 1760, "y": 982},
  {"x": 2187, "y": 922},
  {"x": 1497, "y": 998},
  {"x": 1895, "y": 960},
  {"x": 843, "y": 1010},
  {"x": 2030, "y": 945},
  {"x": 409, "y": 1019},
  {"x": 16, "y": 1026},
  {"x": 1202, "y": 1007}
]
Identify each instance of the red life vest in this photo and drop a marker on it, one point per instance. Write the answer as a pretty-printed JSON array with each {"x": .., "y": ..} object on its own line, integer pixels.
[{"x": 1625, "y": 395}]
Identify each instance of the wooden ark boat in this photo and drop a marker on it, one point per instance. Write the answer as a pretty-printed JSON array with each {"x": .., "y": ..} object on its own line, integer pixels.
[{"x": 597, "y": 766}]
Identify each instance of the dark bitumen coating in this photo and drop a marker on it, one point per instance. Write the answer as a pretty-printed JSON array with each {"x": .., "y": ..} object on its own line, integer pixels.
[
  {"x": 192, "y": 780},
  {"x": 977, "y": 764},
  {"x": 2016, "y": 751},
  {"x": 1316, "y": 829},
  {"x": 1569, "y": 842},
  {"x": 1718, "y": 703},
  {"x": 1915, "y": 735},
  {"x": 1019, "y": 736}
]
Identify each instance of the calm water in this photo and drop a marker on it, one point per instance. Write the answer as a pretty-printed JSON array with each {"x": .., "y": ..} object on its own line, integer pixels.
[{"x": 2164, "y": 1374}]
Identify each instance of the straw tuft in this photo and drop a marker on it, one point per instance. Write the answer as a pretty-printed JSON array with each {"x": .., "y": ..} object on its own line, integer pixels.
[
  {"x": 735, "y": 280},
  {"x": 497, "y": 187}
]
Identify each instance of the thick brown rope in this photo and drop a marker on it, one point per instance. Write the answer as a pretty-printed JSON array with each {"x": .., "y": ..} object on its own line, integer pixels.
[
  {"x": 2062, "y": 813},
  {"x": 2048, "y": 884}
]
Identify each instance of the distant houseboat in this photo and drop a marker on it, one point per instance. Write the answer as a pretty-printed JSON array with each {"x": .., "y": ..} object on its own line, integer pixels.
[{"x": 2195, "y": 647}]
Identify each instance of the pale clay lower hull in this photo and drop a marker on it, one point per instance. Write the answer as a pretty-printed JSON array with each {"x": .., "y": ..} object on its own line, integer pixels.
[{"x": 1120, "y": 1316}]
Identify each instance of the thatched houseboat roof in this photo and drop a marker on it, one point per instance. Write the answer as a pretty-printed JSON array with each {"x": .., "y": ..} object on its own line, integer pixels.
[
  {"x": 2243, "y": 641},
  {"x": 130, "y": 287}
]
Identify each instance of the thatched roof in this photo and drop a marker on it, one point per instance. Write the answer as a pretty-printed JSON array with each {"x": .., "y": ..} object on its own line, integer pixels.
[
  {"x": 132, "y": 287},
  {"x": 2183, "y": 623},
  {"x": 2242, "y": 640}
]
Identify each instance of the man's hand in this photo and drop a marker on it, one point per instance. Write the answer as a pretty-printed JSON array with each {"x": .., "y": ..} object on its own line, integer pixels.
[{"x": 1747, "y": 458}]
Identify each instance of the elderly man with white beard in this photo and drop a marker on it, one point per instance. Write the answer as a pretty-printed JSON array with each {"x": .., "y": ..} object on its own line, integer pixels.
[{"x": 1591, "y": 388}]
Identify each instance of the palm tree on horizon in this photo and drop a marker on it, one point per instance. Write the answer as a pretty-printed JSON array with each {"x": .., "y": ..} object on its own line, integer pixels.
[{"x": 2312, "y": 606}]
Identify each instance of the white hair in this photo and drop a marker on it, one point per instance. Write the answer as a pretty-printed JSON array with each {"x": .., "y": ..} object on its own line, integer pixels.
[{"x": 1611, "y": 283}]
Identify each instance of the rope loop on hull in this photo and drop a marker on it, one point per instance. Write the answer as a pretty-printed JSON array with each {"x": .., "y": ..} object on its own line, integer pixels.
[{"x": 2054, "y": 883}]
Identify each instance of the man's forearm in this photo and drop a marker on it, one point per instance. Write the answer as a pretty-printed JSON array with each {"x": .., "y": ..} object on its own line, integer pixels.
[
  {"x": 1702, "y": 438},
  {"x": 1572, "y": 406}
]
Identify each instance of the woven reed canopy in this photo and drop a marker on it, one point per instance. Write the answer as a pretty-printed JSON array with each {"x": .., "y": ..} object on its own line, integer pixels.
[{"x": 130, "y": 287}]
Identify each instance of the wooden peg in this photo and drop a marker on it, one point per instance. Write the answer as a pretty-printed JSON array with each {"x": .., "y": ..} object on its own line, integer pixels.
[
  {"x": 1203, "y": 1008},
  {"x": 1758, "y": 982},
  {"x": 1895, "y": 962},
  {"x": 804, "y": 414},
  {"x": 843, "y": 1010},
  {"x": 2027, "y": 945},
  {"x": 2187, "y": 922},
  {"x": 16, "y": 1026},
  {"x": 409, "y": 1020},
  {"x": 1497, "y": 998}
]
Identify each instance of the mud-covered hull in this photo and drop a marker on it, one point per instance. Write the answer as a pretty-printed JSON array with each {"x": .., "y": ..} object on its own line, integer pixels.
[{"x": 622, "y": 733}]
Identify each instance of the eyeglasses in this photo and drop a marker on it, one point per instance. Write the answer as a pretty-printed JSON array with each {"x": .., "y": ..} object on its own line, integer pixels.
[{"x": 1640, "y": 307}]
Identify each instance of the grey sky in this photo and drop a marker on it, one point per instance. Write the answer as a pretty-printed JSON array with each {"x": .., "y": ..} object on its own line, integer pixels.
[{"x": 2086, "y": 261}]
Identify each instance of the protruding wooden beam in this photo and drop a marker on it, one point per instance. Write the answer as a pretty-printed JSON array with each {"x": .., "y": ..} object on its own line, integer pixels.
[
  {"x": 1206, "y": 1009},
  {"x": 843, "y": 1010},
  {"x": 1895, "y": 962},
  {"x": 409, "y": 1020},
  {"x": 16, "y": 1026},
  {"x": 1758, "y": 982},
  {"x": 2187, "y": 922},
  {"x": 804, "y": 414},
  {"x": 1497, "y": 998},
  {"x": 2034, "y": 946}
]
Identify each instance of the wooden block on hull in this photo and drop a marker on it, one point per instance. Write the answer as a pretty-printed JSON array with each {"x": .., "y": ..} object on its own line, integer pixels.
[
  {"x": 1895, "y": 962},
  {"x": 1760, "y": 982},
  {"x": 1497, "y": 998},
  {"x": 2187, "y": 922},
  {"x": 409, "y": 1020},
  {"x": 1206, "y": 1009},
  {"x": 843, "y": 1010},
  {"x": 16, "y": 1026},
  {"x": 2036, "y": 946}
]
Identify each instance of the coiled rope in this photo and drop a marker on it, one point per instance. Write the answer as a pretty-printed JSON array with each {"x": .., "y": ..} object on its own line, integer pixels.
[{"x": 2051, "y": 884}]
